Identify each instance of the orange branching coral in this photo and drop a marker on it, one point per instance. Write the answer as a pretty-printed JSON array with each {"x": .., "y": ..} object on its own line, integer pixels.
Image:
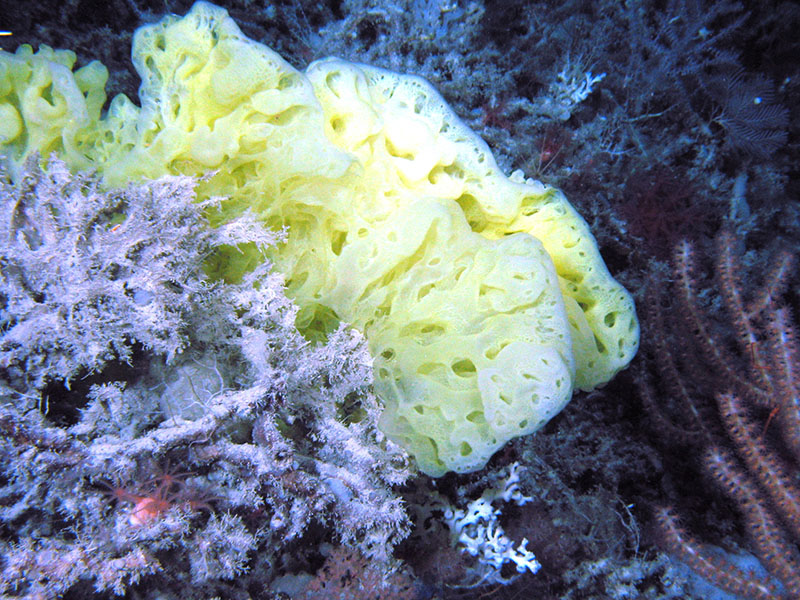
[{"x": 732, "y": 395}]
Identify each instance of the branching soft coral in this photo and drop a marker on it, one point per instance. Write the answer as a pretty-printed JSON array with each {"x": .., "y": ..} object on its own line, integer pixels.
[
  {"x": 280, "y": 432},
  {"x": 84, "y": 273}
]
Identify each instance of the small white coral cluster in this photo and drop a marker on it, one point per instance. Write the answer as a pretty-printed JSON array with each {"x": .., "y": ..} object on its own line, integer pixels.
[
  {"x": 477, "y": 531},
  {"x": 572, "y": 85}
]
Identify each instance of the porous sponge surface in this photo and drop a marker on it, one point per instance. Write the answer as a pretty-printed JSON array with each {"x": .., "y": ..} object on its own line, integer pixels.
[
  {"x": 484, "y": 299},
  {"x": 45, "y": 107},
  {"x": 402, "y": 128}
]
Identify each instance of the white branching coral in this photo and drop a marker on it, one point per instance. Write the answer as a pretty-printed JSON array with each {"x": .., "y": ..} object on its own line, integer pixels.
[
  {"x": 476, "y": 530},
  {"x": 243, "y": 437},
  {"x": 572, "y": 85},
  {"x": 86, "y": 273}
]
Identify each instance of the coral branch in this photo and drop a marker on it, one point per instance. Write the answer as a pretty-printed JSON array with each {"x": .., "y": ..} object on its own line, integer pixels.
[
  {"x": 746, "y": 365},
  {"x": 771, "y": 543},
  {"x": 710, "y": 566},
  {"x": 762, "y": 465}
]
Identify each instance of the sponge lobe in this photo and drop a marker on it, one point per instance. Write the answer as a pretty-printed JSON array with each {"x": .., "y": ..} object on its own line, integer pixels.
[
  {"x": 469, "y": 336},
  {"x": 45, "y": 107},
  {"x": 471, "y": 357},
  {"x": 402, "y": 128}
]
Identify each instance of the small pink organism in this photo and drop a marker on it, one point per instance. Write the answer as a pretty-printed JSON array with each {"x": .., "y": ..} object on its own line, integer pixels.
[{"x": 165, "y": 490}]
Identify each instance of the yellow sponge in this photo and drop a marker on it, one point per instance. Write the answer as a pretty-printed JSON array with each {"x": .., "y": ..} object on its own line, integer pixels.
[
  {"x": 45, "y": 107},
  {"x": 402, "y": 128},
  {"x": 484, "y": 298}
]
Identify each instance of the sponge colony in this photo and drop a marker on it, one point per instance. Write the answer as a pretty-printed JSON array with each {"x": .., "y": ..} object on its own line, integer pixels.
[{"x": 484, "y": 298}]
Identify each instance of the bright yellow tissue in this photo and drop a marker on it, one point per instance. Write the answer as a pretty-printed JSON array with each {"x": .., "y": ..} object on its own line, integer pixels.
[{"x": 484, "y": 298}]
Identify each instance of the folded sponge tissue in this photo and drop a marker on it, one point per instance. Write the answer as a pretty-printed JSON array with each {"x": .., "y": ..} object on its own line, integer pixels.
[{"x": 483, "y": 297}]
